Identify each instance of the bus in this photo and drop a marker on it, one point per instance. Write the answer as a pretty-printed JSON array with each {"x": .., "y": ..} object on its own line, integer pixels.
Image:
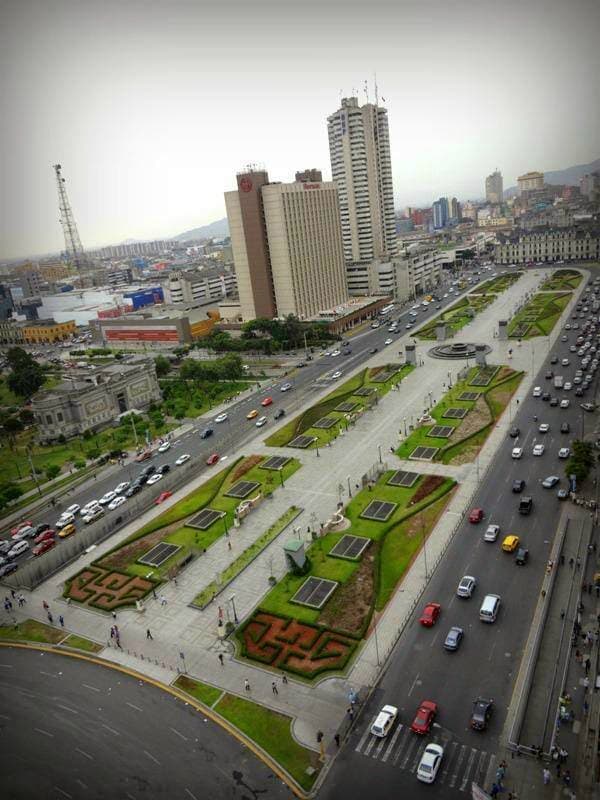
[{"x": 383, "y": 312}]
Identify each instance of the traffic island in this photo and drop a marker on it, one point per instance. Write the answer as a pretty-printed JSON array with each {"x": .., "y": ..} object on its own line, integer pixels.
[
  {"x": 562, "y": 280},
  {"x": 454, "y": 430},
  {"x": 340, "y": 409},
  {"x": 128, "y": 573},
  {"x": 314, "y": 619},
  {"x": 32, "y": 631}
]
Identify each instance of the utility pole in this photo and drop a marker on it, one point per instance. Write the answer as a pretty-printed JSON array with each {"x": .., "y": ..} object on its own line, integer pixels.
[
  {"x": 73, "y": 246},
  {"x": 33, "y": 472}
]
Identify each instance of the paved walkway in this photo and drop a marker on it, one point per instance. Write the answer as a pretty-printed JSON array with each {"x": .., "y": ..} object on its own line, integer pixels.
[{"x": 177, "y": 628}]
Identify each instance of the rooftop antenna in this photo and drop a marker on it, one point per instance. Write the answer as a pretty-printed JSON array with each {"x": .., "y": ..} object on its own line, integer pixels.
[
  {"x": 376, "y": 90},
  {"x": 367, "y": 90}
]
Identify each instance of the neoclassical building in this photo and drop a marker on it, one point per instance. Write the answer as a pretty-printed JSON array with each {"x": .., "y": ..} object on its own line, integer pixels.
[{"x": 549, "y": 245}]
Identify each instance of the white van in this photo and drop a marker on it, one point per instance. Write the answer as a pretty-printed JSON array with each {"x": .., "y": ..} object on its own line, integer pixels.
[{"x": 489, "y": 608}]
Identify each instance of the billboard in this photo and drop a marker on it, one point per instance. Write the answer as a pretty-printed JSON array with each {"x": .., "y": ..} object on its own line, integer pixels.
[{"x": 162, "y": 333}]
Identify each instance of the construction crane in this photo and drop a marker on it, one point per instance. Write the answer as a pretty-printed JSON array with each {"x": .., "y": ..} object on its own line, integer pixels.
[{"x": 73, "y": 246}]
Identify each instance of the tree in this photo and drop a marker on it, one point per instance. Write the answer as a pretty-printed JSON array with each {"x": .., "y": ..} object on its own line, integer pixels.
[
  {"x": 12, "y": 426},
  {"x": 8, "y": 493},
  {"x": 163, "y": 365},
  {"x": 52, "y": 471},
  {"x": 17, "y": 357},
  {"x": 581, "y": 462},
  {"x": 26, "y": 416}
]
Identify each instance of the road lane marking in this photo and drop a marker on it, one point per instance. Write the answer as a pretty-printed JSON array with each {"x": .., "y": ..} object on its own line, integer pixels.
[
  {"x": 461, "y": 758},
  {"x": 81, "y": 783},
  {"x": 454, "y": 745},
  {"x": 48, "y": 674},
  {"x": 83, "y": 753},
  {"x": 363, "y": 738},
  {"x": 370, "y": 744},
  {"x": 4, "y": 716},
  {"x": 62, "y": 791},
  {"x": 191, "y": 794},
  {"x": 468, "y": 768},
  {"x": 378, "y": 749},
  {"x": 93, "y": 688},
  {"x": 434, "y": 638},
  {"x": 112, "y": 730},
  {"x": 413, "y": 684},
  {"x": 417, "y": 758},
  {"x": 132, "y": 705},
  {"x": 66, "y": 708},
  {"x": 408, "y": 754},
  {"x": 39, "y": 730},
  {"x": 7, "y": 666},
  {"x": 151, "y": 757},
  {"x": 386, "y": 755},
  {"x": 480, "y": 774},
  {"x": 185, "y": 738}
]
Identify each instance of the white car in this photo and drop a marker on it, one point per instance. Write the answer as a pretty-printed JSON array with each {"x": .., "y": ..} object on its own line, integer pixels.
[
  {"x": 568, "y": 386},
  {"x": 221, "y": 418},
  {"x": 106, "y": 498},
  {"x": 388, "y": 341},
  {"x": 385, "y": 719},
  {"x": 118, "y": 501},
  {"x": 164, "y": 447},
  {"x": 538, "y": 449},
  {"x": 122, "y": 487},
  {"x": 337, "y": 375},
  {"x": 72, "y": 509},
  {"x": 18, "y": 548},
  {"x": 491, "y": 533},
  {"x": 23, "y": 532},
  {"x": 565, "y": 362},
  {"x": 89, "y": 507},
  {"x": 64, "y": 519},
  {"x": 466, "y": 587},
  {"x": 565, "y": 403},
  {"x": 182, "y": 459},
  {"x": 261, "y": 421},
  {"x": 544, "y": 427},
  {"x": 517, "y": 452},
  {"x": 335, "y": 353},
  {"x": 430, "y": 763},
  {"x": 93, "y": 515},
  {"x": 285, "y": 387},
  {"x": 537, "y": 392},
  {"x": 564, "y": 452},
  {"x": 154, "y": 479}
]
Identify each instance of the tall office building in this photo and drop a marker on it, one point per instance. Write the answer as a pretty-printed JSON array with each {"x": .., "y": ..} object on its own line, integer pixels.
[
  {"x": 361, "y": 167},
  {"x": 301, "y": 256},
  {"x": 494, "y": 188},
  {"x": 441, "y": 212},
  {"x": 530, "y": 181}
]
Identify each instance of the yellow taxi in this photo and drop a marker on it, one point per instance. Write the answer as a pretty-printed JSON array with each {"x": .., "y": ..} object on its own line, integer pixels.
[
  {"x": 510, "y": 543},
  {"x": 252, "y": 414},
  {"x": 67, "y": 531}
]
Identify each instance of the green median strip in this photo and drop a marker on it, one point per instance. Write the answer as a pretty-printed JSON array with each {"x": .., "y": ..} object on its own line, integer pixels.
[
  {"x": 201, "y": 691},
  {"x": 208, "y": 594},
  {"x": 80, "y": 643},
  {"x": 30, "y": 630}
]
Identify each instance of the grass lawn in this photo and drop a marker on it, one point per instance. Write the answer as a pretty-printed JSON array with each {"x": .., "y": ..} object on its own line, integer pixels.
[
  {"x": 325, "y": 407},
  {"x": 242, "y": 561},
  {"x": 562, "y": 280},
  {"x": 277, "y": 601},
  {"x": 193, "y": 401},
  {"x": 201, "y": 691},
  {"x": 273, "y": 732},
  {"x": 458, "y": 315},
  {"x": 193, "y": 540},
  {"x": 498, "y": 284},
  {"x": 7, "y": 398},
  {"x": 81, "y": 643},
  {"x": 497, "y": 395},
  {"x": 539, "y": 316},
  {"x": 32, "y": 631}
]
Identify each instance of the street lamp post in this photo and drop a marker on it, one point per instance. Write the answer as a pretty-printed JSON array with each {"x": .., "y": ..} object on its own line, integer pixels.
[
  {"x": 404, "y": 421},
  {"x": 232, "y": 600},
  {"x": 349, "y": 489},
  {"x": 379, "y": 450},
  {"x": 281, "y": 476}
]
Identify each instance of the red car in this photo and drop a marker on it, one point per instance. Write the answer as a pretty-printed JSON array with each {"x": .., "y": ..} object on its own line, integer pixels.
[
  {"x": 143, "y": 456},
  {"x": 476, "y": 515},
  {"x": 267, "y": 401},
  {"x": 43, "y": 546},
  {"x": 212, "y": 459},
  {"x": 424, "y": 719},
  {"x": 26, "y": 524},
  {"x": 44, "y": 536},
  {"x": 162, "y": 497},
  {"x": 430, "y": 614}
]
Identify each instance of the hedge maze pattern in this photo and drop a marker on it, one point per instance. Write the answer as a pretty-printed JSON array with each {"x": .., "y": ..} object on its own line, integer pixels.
[
  {"x": 294, "y": 646},
  {"x": 107, "y": 589}
]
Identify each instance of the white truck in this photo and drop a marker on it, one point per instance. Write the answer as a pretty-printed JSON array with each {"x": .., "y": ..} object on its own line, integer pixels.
[{"x": 558, "y": 381}]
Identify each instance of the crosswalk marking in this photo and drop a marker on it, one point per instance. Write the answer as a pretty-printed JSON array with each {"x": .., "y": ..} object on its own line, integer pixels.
[
  {"x": 454, "y": 746},
  {"x": 468, "y": 768},
  {"x": 411, "y": 747},
  {"x": 479, "y": 775},
  {"x": 363, "y": 739},
  {"x": 378, "y": 749},
  {"x": 417, "y": 758},
  {"x": 386, "y": 755},
  {"x": 405, "y": 741},
  {"x": 370, "y": 744},
  {"x": 461, "y": 756}
]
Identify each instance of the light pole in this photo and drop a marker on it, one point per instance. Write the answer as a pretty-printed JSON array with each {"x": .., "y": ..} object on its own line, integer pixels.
[
  {"x": 281, "y": 476},
  {"x": 404, "y": 421},
  {"x": 232, "y": 601},
  {"x": 379, "y": 451},
  {"x": 430, "y": 400},
  {"x": 349, "y": 489}
]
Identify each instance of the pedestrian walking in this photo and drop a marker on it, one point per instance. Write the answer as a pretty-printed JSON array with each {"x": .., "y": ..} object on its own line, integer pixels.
[
  {"x": 221, "y": 659},
  {"x": 45, "y": 605},
  {"x": 567, "y": 778},
  {"x": 563, "y": 755},
  {"x": 154, "y": 593},
  {"x": 112, "y": 632},
  {"x": 495, "y": 790},
  {"x": 284, "y": 677},
  {"x": 229, "y": 545},
  {"x": 578, "y": 656},
  {"x": 350, "y": 712},
  {"x": 274, "y": 688},
  {"x": 149, "y": 635},
  {"x": 50, "y": 618},
  {"x": 22, "y": 601},
  {"x": 586, "y": 683},
  {"x": 163, "y": 600},
  {"x": 546, "y": 776},
  {"x": 246, "y": 684},
  {"x": 336, "y": 739},
  {"x": 586, "y": 664},
  {"x": 578, "y": 563},
  {"x": 562, "y": 560},
  {"x": 586, "y": 707},
  {"x": 571, "y": 562},
  {"x": 558, "y": 770},
  {"x": 61, "y": 619},
  {"x": 9, "y": 604}
]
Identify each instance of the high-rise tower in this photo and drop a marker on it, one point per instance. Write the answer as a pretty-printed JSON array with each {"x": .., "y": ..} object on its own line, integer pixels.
[
  {"x": 494, "y": 188},
  {"x": 73, "y": 245},
  {"x": 361, "y": 167}
]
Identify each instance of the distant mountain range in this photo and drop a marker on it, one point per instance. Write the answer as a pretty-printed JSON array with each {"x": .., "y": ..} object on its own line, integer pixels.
[
  {"x": 218, "y": 228},
  {"x": 562, "y": 177}
]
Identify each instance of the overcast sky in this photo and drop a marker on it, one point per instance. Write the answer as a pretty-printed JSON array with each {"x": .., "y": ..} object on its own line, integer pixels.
[{"x": 151, "y": 106}]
